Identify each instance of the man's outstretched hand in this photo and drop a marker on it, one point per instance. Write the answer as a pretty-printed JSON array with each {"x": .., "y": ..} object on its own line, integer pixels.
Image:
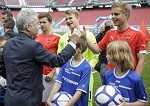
[{"x": 75, "y": 36}]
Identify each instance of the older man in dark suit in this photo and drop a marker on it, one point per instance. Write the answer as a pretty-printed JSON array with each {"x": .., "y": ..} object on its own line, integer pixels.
[{"x": 23, "y": 58}]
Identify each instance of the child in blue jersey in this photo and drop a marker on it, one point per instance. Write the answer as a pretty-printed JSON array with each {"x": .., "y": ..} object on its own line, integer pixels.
[
  {"x": 123, "y": 76},
  {"x": 74, "y": 78}
]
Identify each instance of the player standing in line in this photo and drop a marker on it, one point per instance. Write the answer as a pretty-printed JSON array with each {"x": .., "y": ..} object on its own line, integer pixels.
[
  {"x": 102, "y": 64},
  {"x": 7, "y": 14},
  {"x": 76, "y": 70},
  {"x": 123, "y": 77},
  {"x": 9, "y": 25},
  {"x": 49, "y": 40},
  {"x": 135, "y": 38},
  {"x": 72, "y": 21}
]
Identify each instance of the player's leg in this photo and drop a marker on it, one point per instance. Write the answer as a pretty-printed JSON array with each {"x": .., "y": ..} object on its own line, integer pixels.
[{"x": 103, "y": 69}]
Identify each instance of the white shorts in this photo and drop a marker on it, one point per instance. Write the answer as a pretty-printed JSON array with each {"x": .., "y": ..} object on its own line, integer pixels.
[{"x": 48, "y": 86}]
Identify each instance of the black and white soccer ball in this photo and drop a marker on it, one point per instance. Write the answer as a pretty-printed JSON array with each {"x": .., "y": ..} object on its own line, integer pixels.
[
  {"x": 107, "y": 95},
  {"x": 61, "y": 98}
]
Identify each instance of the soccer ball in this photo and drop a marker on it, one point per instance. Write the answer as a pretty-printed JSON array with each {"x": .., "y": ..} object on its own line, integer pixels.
[
  {"x": 107, "y": 95},
  {"x": 61, "y": 98}
]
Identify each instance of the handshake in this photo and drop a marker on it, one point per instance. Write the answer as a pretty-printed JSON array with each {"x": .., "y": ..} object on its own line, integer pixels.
[{"x": 77, "y": 34}]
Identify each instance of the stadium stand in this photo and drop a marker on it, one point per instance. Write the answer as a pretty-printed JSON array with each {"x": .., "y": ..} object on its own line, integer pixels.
[
  {"x": 2, "y": 2},
  {"x": 87, "y": 16},
  {"x": 144, "y": 1},
  {"x": 105, "y": 1},
  {"x": 130, "y": 1},
  {"x": 12, "y": 2},
  {"x": 62, "y": 2},
  {"x": 79, "y": 2},
  {"x": 37, "y": 2},
  {"x": 109, "y": 2}
]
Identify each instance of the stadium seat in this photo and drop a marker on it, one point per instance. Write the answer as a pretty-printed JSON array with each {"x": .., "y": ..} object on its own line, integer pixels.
[
  {"x": 62, "y": 2},
  {"x": 36, "y": 2},
  {"x": 12, "y": 2},
  {"x": 79, "y": 2}
]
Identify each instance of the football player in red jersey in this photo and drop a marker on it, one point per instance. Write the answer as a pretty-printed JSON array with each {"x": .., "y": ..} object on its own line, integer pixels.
[{"x": 120, "y": 12}]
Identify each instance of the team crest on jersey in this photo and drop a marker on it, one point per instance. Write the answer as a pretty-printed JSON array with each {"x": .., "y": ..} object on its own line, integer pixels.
[
  {"x": 127, "y": 37},
  {"x": 48, "y": 41},
  {"x": 112, "y": 37}
]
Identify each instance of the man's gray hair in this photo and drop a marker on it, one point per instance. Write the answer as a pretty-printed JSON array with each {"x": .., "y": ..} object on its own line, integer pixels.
[{"x": 25, "y": 17}]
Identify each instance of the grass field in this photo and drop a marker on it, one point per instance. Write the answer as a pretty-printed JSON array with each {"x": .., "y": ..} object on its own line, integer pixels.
[{"x": 145, "y": 76}]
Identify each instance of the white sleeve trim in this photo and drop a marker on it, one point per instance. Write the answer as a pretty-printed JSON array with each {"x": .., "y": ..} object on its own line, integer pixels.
[
  {"x": 58, "y": 81},
  {"x": 143, "y": 51},
  {"x": 81, "y": 90},
  {"x": 142, "y": 100},
  {"x": 72, "y": 44}
]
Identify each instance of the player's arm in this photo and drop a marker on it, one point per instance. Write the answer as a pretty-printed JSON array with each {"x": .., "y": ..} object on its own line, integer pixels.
[
  {"x": 137, "y": 103},
  {"x": 93, "y": 58},
  {"x": 50, "y": 76},
  {"x": 141, "y": 63},
  {"x": 93, "y": 47},
  {"x": 54, "y": 90},
  {"x": 141, "y": 54},
  {"x": 75, "y": 98}
]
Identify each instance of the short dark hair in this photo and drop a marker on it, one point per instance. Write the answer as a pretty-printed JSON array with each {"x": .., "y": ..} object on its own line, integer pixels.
[
  {"x": 45, "y": 15},
  {"x": 82, "y": 42},
  {"x": 8, "y": 13},
  {"x": 9, "y": 23}
]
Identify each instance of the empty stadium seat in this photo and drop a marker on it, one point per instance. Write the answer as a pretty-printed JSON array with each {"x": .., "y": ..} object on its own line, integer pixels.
[
  {"x": 62, "y": 2},
  {"x": 36, "y": 2},
  {"x": 12, "y": 2},
  {"x": 79, "y": 2}
]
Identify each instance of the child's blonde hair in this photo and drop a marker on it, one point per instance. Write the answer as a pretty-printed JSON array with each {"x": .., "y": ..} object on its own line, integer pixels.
[{"x": 120, "y": 52}]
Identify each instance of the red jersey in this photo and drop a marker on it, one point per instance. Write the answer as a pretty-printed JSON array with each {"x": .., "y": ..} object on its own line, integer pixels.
[
  {"x": 134, "y": 37},
  {"x": 50, "y": 43}
]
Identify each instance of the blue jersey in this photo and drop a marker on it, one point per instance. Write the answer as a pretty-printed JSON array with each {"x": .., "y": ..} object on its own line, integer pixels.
[
  {"x": 73, "y": 78},
  {"x": 130, "y": 85}
]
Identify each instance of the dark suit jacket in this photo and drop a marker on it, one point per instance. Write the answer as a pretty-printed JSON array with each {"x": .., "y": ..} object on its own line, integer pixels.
[{"x": 23, "y": 59}]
